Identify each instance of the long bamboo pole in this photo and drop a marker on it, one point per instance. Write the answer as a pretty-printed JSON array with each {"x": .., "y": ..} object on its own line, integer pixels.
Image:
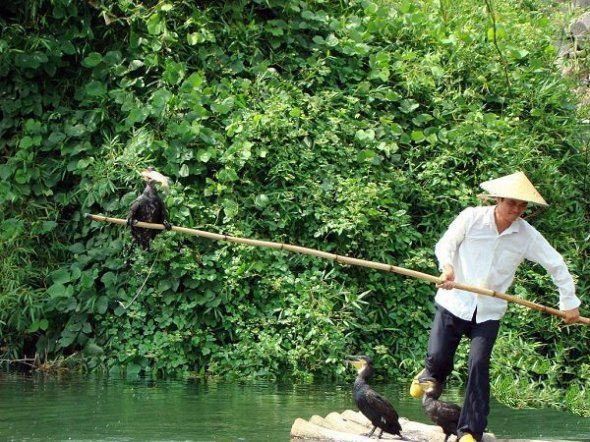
[{"x": 343, "y": 260}]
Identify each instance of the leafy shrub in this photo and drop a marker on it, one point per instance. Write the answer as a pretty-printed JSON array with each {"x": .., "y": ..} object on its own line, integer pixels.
[{"x": 359, "y": 127}]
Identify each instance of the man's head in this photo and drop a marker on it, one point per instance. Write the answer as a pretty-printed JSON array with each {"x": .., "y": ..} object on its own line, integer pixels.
[{"x": 510, "y": 209}]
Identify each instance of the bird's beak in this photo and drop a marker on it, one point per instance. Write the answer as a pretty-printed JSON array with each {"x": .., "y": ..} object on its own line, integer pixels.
[
  {"x": 354, "y": 361},
  {"x": 150, "y": 174}
]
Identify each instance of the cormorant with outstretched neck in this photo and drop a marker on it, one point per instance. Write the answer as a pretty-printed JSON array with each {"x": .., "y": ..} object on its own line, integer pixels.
[
  {"x": 443, "y": 414},
  {"x": 149, "y": 208},
  {"x": 374, "y": 406}
]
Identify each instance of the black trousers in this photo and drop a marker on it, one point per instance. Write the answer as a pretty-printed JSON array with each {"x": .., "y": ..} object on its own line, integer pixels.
[{"x": 445, "y": 335}]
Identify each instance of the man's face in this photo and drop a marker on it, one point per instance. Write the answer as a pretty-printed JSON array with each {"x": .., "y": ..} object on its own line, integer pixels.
[{"x": 509, "y": 209}]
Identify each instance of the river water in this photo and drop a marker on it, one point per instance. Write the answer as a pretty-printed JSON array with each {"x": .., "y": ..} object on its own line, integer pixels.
[{"x": 89, "y": 408}]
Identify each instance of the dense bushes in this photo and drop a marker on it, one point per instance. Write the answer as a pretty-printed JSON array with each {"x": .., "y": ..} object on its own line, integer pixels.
[{"x": 355, "y": 127}]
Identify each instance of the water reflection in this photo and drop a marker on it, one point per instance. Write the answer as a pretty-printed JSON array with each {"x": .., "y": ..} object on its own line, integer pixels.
[{"x": 40, "y": 408}]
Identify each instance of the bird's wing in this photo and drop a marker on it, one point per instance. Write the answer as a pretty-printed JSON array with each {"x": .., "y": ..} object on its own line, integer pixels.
[
  {"x": 161, "y": 214},
  {"x": 135, "y": 206},
  {"x": 382, "y": 405},
  {"x": 449, "y": 412}
]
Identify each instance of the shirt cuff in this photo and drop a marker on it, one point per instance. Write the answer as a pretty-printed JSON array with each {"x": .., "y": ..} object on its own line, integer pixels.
[{"x": 569, "y": 303}]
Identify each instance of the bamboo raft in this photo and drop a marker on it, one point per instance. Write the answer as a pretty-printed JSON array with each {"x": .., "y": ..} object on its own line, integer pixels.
[{"x": 351, "y": 426}]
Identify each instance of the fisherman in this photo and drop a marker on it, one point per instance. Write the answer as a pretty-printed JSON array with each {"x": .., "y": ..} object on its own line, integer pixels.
[{"x": 484, "y": 246}]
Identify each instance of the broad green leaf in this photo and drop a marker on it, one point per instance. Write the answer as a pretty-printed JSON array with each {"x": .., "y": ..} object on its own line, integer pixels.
[
  {"x": 47, "y": 226},
  {"x": 134, "y": 65},
  {"x": 109, "y": 279},
  {"x": 67, "y": 339},
  {"x": 192, "y": 82},
  {"x": 93, "y": 59},
  {"x": 22, "y": 176},
  {"x": 84, "y": 163},
  {"x": 138, "y": 114},
  {"x": 160, "y": 99},
  {"x": 61, "y": 276},
  {"x": 95, "y": 89},
  {"x": 418, "y": 136},
  {"x": 75, "y": 130},
  {"x": 224, "y": 106},
  {"x": 366, "y": 154},
  {"x": 155, "y": 26},
  {"x": 41, "y": 324},
  {"x": 112, "y": 57},
  {"x": 227, "y": 175},
  {"x": 57, "y": 290},
  {"x": 184, "y": 171},
  {"x": 194, "y": 38},
  {"x": 174, "y": 72},
  {"x": 101, "y": 305},
  {"x": 204, "y": 155},
  {"x": 408, "y": 105},
  {"x": 26, "y": 142},
  {"x": 261, "y": 201},
  {"x": 55, "y": 138},
  {"x": 365, "y": 135},
  {"x": 92, "y": 349},
  {"x": 33, "y": 127},
  {"x": 332, "y": 40},
  {"x": 77, "y": 248},
  {"x": 230, "y": 208}
]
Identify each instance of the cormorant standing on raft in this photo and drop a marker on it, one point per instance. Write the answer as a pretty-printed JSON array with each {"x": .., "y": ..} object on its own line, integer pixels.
[
  {"x": 443, "y": 414},
  {"x": 374, "y": 406},
  {"x": 149, "y": 208}
]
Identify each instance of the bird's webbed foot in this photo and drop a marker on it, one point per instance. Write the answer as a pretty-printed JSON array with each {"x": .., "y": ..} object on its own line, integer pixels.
[
  {"x": 131, "y": 222},
  {"x": 167, "y": 225}
]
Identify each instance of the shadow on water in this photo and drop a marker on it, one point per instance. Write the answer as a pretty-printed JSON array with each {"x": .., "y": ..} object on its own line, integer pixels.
[{"x": 88, "y": 408}]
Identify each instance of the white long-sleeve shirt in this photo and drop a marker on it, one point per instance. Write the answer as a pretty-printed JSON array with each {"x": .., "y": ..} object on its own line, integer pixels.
[{"x": 481, "y": 256}]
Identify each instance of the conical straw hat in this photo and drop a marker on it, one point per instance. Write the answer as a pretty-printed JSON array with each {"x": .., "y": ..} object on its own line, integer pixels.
[{"x": 516, "y": 186}]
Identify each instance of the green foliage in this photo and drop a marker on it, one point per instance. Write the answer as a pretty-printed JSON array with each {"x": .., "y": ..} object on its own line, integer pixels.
[
  {"x": 358, "y": 127},
  {"x": 529, "y": 374}
]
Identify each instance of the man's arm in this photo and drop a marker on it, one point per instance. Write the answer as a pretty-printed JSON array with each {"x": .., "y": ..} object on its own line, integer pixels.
[
  {"x": 447, "y": 246},
  {"x": 541, "y": 252}
]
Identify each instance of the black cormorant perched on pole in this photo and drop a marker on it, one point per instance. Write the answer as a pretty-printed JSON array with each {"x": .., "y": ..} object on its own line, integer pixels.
[
  {"x": 374, "y": 406},
  {"x": 443, "y": 414},
  {"x": 149, "y": 208}
]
